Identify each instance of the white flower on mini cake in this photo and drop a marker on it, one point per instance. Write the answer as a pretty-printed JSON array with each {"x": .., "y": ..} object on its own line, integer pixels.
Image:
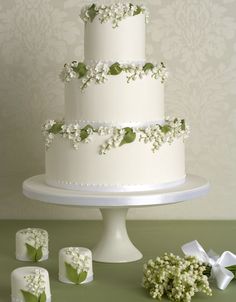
[
  {"x": 35, "y": 284},
  {"x": 36, "y": 242},
  {"x": 77, "y": 269}
]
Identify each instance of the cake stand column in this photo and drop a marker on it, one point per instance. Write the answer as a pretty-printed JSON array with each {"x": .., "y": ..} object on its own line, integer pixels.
[{"x": 115, "y": 245}]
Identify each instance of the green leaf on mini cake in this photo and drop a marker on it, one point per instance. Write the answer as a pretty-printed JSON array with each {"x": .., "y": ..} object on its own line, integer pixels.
[
  {"x": 39, "y": 253},
  {"x": 148, "y": 66},
  {"x": 56, "y": 128},
  {"x": 92, "y": 12},
  {"x": 84, "y": 133},
  {"x": 80, "y": 69},
  {"x": 165, "y": 128},
  {"x": 28, "y": 297},
  {"x": 115, "y": 69},
  {"x": 42, "y": 297},
  {"x": 129, "y": 136},
  {"x": 33, "y": 253},
  {"x": 82, "y": 276},
  {"x": 73, "y": 275}
]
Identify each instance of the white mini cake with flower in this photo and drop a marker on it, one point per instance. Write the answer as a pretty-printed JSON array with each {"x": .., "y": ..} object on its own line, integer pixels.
[
  {"x": 32, "y": 244},
  {"x": 115, "y": 136},
  {"x": 75, "y": 265},
  {"x": 30, "y": 284}
]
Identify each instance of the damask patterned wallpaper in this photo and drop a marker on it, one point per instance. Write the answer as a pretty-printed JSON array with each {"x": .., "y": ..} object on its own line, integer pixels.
[{"x": 196, "y": 39}]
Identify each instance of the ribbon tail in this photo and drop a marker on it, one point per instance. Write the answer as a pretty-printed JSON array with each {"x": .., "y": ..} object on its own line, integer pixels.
[{"x": 222, "y": 276}]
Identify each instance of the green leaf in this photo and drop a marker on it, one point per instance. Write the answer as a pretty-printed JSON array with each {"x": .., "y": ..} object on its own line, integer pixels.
[
  {"x": 84, "y": 133},
  {"x": 165, "y": 128},
  {"x": 92, "y": 12},
  {"x": 39, "y": 253},
  {"x": 137, "y": 11},
  {"x": 28, "y": 297},
  {"x": 82, "y": 276},
  {"x": 183, "y": 126},
  {"x": 56, "y": 128},
  {"x": 115, "y": 69},
  {"x": 148, "y": 66},
  {"x": 42, "y": 297},
  {"x": 129, "y": 136},
  {"x": 31, "y": 251},
  {"x": 71, "y": 273},
  {"x": 80, "y": 69}
]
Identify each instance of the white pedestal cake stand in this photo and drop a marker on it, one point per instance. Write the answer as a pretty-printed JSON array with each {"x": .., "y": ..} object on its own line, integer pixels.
[{"x": 114, "y": 245}]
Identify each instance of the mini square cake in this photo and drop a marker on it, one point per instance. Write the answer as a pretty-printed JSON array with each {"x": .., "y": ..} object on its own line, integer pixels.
[
  {"x": 32, "y": 245},
  {"x": 30, "y": 284},
  {"x": 75, "y": 265}
]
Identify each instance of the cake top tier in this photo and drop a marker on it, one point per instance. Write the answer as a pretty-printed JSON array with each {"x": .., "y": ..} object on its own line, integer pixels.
[
  {"x": 114, "y": 13},
  {"x": 114, "y": 32}
]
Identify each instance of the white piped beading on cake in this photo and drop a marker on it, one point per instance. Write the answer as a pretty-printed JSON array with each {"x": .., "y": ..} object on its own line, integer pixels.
[{"x": 73, "y": 185}]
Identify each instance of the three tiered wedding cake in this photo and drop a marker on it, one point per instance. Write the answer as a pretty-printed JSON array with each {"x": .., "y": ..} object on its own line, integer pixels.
[{"x": 115, "y": 136}]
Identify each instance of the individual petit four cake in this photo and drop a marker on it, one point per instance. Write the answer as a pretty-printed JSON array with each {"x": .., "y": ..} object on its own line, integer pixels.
[
  {"x": 75, "y": 265},
  {"x": 32, "y": 244},
  {"x": 30, "y": 284}
]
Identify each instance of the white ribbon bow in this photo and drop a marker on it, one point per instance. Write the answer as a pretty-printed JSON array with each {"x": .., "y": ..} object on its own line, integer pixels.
[{"x": 218, "y": 263}]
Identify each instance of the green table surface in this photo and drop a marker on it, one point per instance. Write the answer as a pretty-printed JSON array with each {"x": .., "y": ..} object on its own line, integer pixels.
[{"x": 116, "y": 282}]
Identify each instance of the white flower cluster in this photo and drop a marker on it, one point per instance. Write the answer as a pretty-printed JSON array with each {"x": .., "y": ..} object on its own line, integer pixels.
[
  {"x": 177, "y": 278},
  {"x": 157, "y": 135},
  {"x": 80, "y": 262},
  {"x": 114, "y": 141},
  {"x": 36, "y": 237},
  {"x": 159, "y": 72},
  {"x": 49, "y": 137},
  {"x": 114, "y": 13},
  {"x": 67, "y": 73},
  {"x": 36, "y": 282},
  {"x": 135, "y": 71},
  {"x": 71, "y": 132},
  {"x": 97, "y": 74}
]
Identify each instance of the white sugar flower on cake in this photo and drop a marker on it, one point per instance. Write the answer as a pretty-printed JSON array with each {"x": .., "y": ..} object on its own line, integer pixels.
[
  {"x": 75, "y": 265},
  {"x": 30, "y": 284},
  {"x": 32, "y": 243},
  {"x": 114, "y": 13}
]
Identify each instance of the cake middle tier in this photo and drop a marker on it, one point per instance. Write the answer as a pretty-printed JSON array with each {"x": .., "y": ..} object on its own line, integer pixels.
[{"x": 115, "y": 102}]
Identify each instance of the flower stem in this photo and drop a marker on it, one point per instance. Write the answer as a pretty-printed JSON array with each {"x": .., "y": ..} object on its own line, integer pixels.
[{"x": 231, "y": 268}]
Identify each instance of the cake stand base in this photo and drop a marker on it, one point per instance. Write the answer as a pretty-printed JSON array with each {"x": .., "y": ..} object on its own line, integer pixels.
[{"x": 114, "y": 245}]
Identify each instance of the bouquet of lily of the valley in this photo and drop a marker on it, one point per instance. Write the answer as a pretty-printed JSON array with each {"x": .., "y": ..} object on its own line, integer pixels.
[{"x": 179, "y": 278}]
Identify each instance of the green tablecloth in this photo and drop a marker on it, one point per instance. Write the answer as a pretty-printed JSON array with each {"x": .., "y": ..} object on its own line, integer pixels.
[{"x": 116, "y": 282}]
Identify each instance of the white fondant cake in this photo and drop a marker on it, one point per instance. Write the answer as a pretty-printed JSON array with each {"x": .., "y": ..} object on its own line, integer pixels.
[
  {"x": 75, "y": 265},
  {"x": 124, "y": 43},
  {"x": 30, "y": 284},
  {"x": 115, "y": 136},
  {"x": 116, "y": 102},
  {"x": 32, "y": 244}
]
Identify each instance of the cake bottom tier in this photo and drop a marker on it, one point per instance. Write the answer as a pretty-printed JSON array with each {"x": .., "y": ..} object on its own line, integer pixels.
[{"x": 131, "y": 167}]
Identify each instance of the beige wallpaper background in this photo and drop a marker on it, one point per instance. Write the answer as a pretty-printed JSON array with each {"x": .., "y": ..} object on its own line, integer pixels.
[{"x": 196, "y": 39}]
